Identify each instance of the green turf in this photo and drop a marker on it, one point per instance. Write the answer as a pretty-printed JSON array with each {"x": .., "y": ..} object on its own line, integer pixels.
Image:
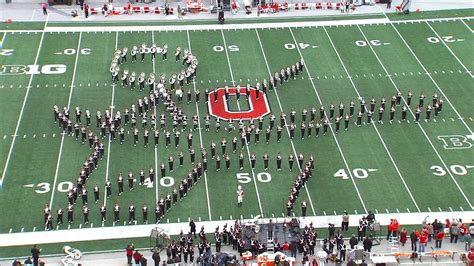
[{"x": 402, "y": 156}]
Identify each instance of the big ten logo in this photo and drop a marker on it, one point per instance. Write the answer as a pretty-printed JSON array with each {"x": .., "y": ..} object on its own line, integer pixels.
[
  {"x": 53, "y": 69},
  {"x": 258, "y": 105},
  {"x": 456, "y": 142}
]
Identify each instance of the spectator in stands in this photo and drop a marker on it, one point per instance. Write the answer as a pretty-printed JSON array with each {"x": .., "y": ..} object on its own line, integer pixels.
[
  {"x": 367, "y": 244},
  {"x": 439, "y": 238},
  {"x": 392, "y": 228},
  {"x": 286, "y": 248},
  {"x": 45, "y": 10},
  {"x": 105, "y": 10},
  {"x": 28, "y": 262},
  {"x": 423, "y": 240},
  {"x": 129, "y": 252},
  {"x": 470, "y": 256},
  {"x": 467, "y": 242},
  {"x": 35, "y": 252},
  {"x": 471, "y": 228},
  {"x": 156, "y": 257},
  {"x": 86, "y": 10},
  {"x": 403, "y": 236},
  {"x": 414, "y": 240},
  {"x": 454, "y": 231},
  {"x": 430, "y": 229},
  {"x": 137, "y": 256},
  {"x": 353, "y": 241}
]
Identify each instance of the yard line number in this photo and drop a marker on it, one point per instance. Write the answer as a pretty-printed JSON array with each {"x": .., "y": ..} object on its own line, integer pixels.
[
  {"x": 360, "y": 173},
  {"x": 434, "y": 39},
  {"x": 292, "y": 46},
  {"x": 230, "y": 48},
  {"x": 45, "y": 187},
  {"x": 72, "y": 51},
  {"x": 262, "y": 177},
  {"x": 362, "y": 43},
  {"x": 455, "y": 169}
]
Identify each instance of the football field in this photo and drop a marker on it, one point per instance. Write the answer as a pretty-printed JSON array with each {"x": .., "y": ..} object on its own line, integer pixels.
[{"x": 390, "y": 167}]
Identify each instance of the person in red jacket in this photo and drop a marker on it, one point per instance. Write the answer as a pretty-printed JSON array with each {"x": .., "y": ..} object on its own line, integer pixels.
[
  {"x": 129, "y": 252},
  {"x": 470, "y": 256},
  {"x": 137, "y": 257},
  {"x": 403, "y": 236},
  {"x": 439, "y": 238},
  {"x": 423, "y": 241},
  {"x": 286, "y": 248}
]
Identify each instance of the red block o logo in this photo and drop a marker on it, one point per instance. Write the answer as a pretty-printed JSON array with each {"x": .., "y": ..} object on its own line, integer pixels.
[{"x": 219, "y": 108}]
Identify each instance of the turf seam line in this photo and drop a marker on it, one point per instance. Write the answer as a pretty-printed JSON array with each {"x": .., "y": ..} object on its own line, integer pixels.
[
  {"x": 330, "y": 127},
  {"x": 286, "y": 124},
  {"x": 63, "y": 136},
  {"x": 374, "y": 125},
  {"x": 246, "y": 142},
  {"x": 200, "y": 138},
  {"x": 419, "y": 125}
]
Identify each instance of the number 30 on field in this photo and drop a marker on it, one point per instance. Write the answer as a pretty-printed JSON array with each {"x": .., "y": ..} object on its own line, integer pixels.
[
  {"x": 44, "y": 187},
  {"x": 455, "y": 169}
]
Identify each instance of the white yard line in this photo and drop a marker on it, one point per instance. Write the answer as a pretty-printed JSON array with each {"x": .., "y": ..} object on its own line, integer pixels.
[
  {"x": 157, "y": 195},
  {"x": 431, "y": 78},
  {"x": 3, "y": 39},
  {"x": 246, "y": 143},
  {"x": 286, "y": 125},
  {"x": 126, "y": 232},
  {"x": 53, "y": 190},
  {"x": 200, "y": 139},
  {"x": 330, "y": 127},
  {"x": 375, "y": 127},
  {"x": 12, "y": 145},
  {"x": 465, "y": 24},
  {"x": 419, "y": 125},
  {"x": 110, "y": 138},
  {"x": 449, "y": 49}
]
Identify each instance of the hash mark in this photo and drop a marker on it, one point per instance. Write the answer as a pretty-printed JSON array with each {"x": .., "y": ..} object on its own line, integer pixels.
[{"x": 429, "y": 209}]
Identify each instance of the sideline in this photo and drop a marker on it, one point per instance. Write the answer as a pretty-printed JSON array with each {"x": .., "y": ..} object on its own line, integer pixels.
[
  {"x": 121, "y": 232},
  {"x": 249, "y": 26}
]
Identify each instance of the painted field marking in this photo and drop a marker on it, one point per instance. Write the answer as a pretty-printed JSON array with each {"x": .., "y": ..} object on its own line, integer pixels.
[
  {"x": 62, "y": 138},
  {"x": 419, "y": 125},
  {"x": 286, "y": 124},
  {"x": 374, "y": 125},
  {"x": 200, "y": 140},
  {"x": 330, "y": 127},
  {"x": 107, "y": 168},
  {"x": 426, "y": 71},
  {"x": 248, "y": 149},
  {"x": 12, "y": 145},
  {"x": 451, "y": 51}
]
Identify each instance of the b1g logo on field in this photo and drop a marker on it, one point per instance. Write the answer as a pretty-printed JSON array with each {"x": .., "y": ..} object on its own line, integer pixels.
[
  {"x": 455, "y": 142},
  {"x": 218, "y": 107},
  {"x": 53, "y": 69}
]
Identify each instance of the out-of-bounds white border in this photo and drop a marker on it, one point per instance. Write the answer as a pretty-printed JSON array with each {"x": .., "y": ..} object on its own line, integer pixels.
[
  {"x": 243, "y": 26},
  {"x": 119, "y": 232}
]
